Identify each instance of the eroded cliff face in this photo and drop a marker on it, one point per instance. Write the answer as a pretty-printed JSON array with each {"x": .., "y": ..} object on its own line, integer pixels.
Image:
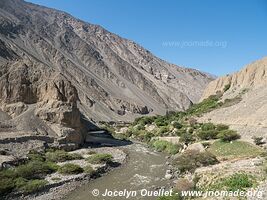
[
  {"x": 249, "y": 115},
  {"x": 53, "y": 96},
  {"x": 58, "y": 68},
  {"x": 252, "y": 76}
]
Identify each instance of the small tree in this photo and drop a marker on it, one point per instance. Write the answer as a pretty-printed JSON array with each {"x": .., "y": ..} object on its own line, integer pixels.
[
  {"x": 228, "y": 135},
  {"x": 258, "y": 140}
]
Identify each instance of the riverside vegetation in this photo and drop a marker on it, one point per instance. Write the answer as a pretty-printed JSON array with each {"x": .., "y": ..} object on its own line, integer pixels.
[
  {"x": 220, "y": 143},
  {"x": 30, "y": 176}
]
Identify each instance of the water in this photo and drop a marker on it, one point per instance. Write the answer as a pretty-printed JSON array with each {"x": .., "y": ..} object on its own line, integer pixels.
[{"x": 144, "y": 170}]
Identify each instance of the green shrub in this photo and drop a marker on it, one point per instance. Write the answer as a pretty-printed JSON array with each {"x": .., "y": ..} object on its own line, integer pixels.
[
  {"x": 235, "y": 182},
  {"x": 187, "y": 138},
  {"x": 208, "y": 134},
  {"x": 190, "y": 130},
  {"x": 173, "y": 149},
  {"x": 35, "y": 169},
  {"x": 70, "y": 168},
  {"x": 177, "y": 125},
  {"x": 161, "y": 121},
  {"x": 144, "y": 136},
  {"x": 238, "y": 181},
  {"x": 226, "y": 87},
  {"x": 206, "y": 105},
  {"x": 258, "y": 140},
  {"x": 100, "y": 158},
  {"x": 8, "y": 173},
  {"x": 228, "y": 135},
  {"x": 163, "y": 130},
  {"x": 29, "y": 186},
  {"x": 161, "y": 145},
  {"x": 35, "y": 156},
  {"x": 208, "y": 127},
  {"x": 138, "y": 127},
  {"x": 20, "y": 182},
  {"x": 89, "y": 170},
  {"x": 6, "y": 185},
  {"x": 61, "y": 156},
  {"x": 143, "y": 120},
  {"x": 190, "y": 160},
  {"x": 221, "y": 127}
]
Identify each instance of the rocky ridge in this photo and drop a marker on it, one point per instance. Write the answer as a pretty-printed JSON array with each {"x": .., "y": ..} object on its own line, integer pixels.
[
  {"x": 57, "y": 72},
  {"x": 249, "y": 115}
]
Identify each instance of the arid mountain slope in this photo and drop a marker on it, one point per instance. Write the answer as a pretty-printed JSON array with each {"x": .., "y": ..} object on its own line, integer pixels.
[
  {"x": 56, "y": 70},
  {"x": 249, "y": 115}
]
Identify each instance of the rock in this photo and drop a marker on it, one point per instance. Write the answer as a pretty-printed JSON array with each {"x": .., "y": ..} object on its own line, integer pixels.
[
  {"x": 168, "y": 171},
  {"x": 123, "y": 130},
  {"x": 150, "y": 127},
  {"x": 168, "y": 176},
  {"x": 196, "y": 147}
]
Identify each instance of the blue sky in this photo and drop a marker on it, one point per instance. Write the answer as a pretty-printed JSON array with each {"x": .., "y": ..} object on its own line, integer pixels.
[{"x": 218, "y": 37}]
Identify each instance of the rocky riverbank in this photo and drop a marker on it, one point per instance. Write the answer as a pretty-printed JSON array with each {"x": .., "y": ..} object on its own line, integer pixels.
[{"x": 59, "y": 185}]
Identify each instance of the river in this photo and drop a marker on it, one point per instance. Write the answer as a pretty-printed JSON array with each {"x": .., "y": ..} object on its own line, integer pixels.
[{"x": 144, "y": 169}]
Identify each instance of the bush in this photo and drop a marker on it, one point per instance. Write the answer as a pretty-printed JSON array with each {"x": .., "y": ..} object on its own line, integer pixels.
[
  {"x": 70, "y": 168},
  {"x": 35, "y": 169},
  {"x": 187, "y": 138},
  {"x": 205, "y": 106},
  {"x": 29, "y": 186},
  {"x": 35, "y": 156},
  {"x": 177, "y": 125},
  {"x": 208, "y": 127},
  {"x": 8, "y": 173},
  {"x": 236, "y": 182},
  {"x": 208, "y": 134},
  {"x": 100, "y": 158},
  {"x": 190, "y": 160},
  {"x": 138, "y": 127},
  {"x": 61, "y": 156},
  {"x": 89, "y": 170},
  {"x": 173, "y": 149},
  {"x": 221, "y": 127},
  {"x": 258, "y": 140},
  {"x": 162, "y": 130},
  {"x": 228, "y": 135},
  {"x": 160, "y": 121},
  {"x": 161, "y": 145},
  {"x": 143, "y": 120},
  {"x": 144, "y": 136},
  {"x": 6, "y": 185}
]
